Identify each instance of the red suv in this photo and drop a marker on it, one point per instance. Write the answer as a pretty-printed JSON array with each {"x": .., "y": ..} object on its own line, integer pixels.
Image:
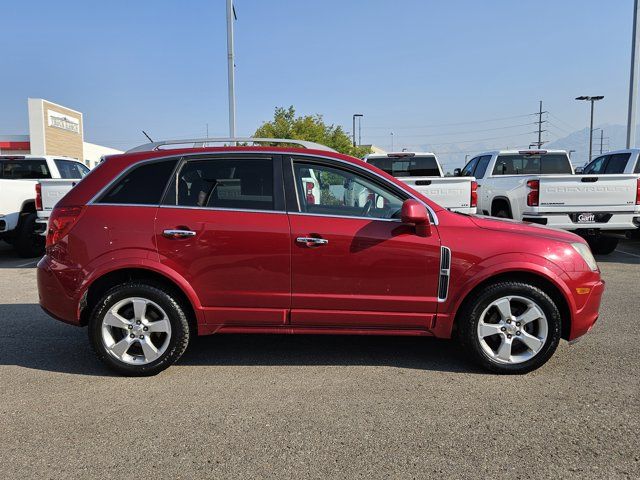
[{"x": 160, "y": 244}]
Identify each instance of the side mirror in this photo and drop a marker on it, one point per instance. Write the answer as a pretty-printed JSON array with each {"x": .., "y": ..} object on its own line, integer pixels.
[
  {"x": 457, "y": 172},
  {"x": 579, "y": 170},
  {"x": 413, "y": 212}
]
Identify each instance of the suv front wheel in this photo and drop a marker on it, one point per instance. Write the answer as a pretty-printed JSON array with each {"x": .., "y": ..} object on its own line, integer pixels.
[
  {"x": 138, "y": 329},
  {"x": 510, "y": 327}
]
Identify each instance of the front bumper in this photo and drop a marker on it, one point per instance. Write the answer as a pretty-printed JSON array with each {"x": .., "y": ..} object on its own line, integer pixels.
[
  {"x": 585, "y": 316},
  {"x": 9, "y": 222},
  {"x": 563, "y": 221}
]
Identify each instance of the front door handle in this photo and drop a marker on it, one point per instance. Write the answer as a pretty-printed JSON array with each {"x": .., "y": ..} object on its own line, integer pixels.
[
  {"x": 175, "y": 234},
  {"x": 312, "y": 241}
]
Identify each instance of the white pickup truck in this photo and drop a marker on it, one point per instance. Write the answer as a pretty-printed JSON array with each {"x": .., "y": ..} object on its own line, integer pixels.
[
  {"x": 19, "y": 175},
  {"x": 422, "y": 172},
  {"x": 539, "y": 186}
]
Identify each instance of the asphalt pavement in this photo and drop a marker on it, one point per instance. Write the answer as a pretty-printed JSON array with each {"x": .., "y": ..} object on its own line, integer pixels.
[{"x": 243, "y": 406}]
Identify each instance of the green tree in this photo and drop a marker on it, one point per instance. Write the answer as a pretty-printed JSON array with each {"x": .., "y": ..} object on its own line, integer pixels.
[{"x": 286, "y": 124}]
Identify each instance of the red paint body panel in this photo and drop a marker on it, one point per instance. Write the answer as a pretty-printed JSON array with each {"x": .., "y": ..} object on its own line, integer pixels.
[{"x": 244, "y": 271}]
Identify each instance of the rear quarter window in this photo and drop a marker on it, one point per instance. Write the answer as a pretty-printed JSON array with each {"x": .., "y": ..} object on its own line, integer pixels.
[{"x": 144, "y": 185}]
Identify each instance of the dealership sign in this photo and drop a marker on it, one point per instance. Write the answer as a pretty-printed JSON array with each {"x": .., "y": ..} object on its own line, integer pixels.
[{"x": 64, "y": 122}]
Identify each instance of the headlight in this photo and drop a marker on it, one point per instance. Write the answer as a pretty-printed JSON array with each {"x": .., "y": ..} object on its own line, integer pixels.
[{"x": 585, "y": 252}]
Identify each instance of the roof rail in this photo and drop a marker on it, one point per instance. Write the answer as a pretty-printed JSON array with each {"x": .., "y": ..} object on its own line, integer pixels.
[{"x": 202, "y": 142}]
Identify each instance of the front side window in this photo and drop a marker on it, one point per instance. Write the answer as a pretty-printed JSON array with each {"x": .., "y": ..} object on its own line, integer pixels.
[
  {"x": 407, "y": 166},
  {"x": 481, "y": 169},
  {"x": 597, "y": 166},
  {"x": 69, "y": 169},
  {"x": 468, "y": 169},
  {"x": 617, "y": 163},
  {"x": 326, "y": 190},
  {"x": 240, "y": 184},
  {"x": 532, "y": 164},
  {"x": 143, "y": 185},
  {"x": 21, "y": 169}
]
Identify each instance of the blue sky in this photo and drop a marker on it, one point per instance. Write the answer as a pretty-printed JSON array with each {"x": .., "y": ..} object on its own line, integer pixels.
[{"x": 411, "y": 67}]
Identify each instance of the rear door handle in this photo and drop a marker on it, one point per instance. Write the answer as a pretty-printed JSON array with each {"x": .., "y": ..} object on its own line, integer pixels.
[
  {"x": 312, "y": 241},
  {"x": 175, "y": 234}
]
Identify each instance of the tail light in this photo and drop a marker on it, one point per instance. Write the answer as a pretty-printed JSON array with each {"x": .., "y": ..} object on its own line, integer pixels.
[
  {"x": 61, "y": 221},
  {"x": 533, "y": 197},
  {"x": 311, "y": 199},
  {"x": 638, "y": 192},
  {"x": 474, "y": 194},
  {"x": 38, "y": 196}
]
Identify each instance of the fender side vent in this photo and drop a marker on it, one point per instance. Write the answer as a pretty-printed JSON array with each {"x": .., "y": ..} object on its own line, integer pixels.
[{"x": 445, "y": 272}]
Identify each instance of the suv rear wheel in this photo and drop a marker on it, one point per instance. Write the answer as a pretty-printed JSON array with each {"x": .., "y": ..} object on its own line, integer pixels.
[
  {"x": 138, "y": 329},
  {"x": 510, "y": 327},
  {"x": 602, "y": 245}
]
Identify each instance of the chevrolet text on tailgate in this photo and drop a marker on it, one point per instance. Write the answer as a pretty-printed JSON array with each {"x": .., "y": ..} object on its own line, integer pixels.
[
  {"x": 422, "y": 172},
  {"x": 539, "y": 186},
  {"x": 164, "y": 243}
]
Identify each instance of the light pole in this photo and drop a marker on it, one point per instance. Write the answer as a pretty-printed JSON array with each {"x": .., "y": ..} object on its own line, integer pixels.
[
  {"x": 633, "y": 79},
  {"x": 353, "y": 131},
  {"x": 592, "y": 100},
  {"x": 392, "y": 141},
  {"x": 231, "y": 15}
]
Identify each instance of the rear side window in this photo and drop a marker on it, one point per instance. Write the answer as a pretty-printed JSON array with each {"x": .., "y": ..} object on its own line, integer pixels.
[
  {"x": 532, "y": 164},
  {"x": 143, "y": 185},
  {"x": 242, "y": 184},
  {"x": 409, "y": 166},
  {"x": 617, "y": 163},
  {"x": 637, "y": 169},
  {"x": 21, "y": 169},
  {"x": 70, "y": 169}
]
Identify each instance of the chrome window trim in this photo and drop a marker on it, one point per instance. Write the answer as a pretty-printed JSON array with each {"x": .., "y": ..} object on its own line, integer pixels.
[
  {"x": 179, "y": 157},
  {"x": 306, "y": 214},
  {"x": 222, "y": 209}
]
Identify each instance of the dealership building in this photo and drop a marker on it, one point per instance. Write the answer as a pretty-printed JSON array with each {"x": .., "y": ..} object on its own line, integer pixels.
[{"x": 54, "y": 130}]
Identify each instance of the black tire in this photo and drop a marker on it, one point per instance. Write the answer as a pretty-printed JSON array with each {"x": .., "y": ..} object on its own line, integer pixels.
[
  {"x": 470, "y": 314},
  {"x": 602, "y": 245},
  {"x": 28, "y": 243},
  {"x": 501, "y": 210},
  {"x": 176, "y": 314}
]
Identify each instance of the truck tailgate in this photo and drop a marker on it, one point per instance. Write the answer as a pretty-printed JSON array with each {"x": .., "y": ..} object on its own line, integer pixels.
[
  {"x": 53, "y": 191},
  {"x": 448, "y": 192},
  {"x": 588, "y": 191}
]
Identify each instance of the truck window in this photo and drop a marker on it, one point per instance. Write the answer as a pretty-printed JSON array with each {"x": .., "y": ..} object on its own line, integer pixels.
[
  {"x": 532, "y": 164},
  {"x": 481, "y": 168},
  {"x": 416, "y": 166},
  {"x": 597, "y": 166},
  {"x": 70, "y": 169},
  {"x": 617, "y": 163},
  {"x": 468, "y": 169},
  {"x": 20, "y": 169}
]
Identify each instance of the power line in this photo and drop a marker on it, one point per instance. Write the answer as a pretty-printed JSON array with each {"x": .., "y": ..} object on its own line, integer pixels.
[
  {"x": 453, "y": 124},
  {"x": 458, "y": 132}
]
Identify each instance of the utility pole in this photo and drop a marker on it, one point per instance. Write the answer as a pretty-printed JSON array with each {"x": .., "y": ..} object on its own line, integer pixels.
[
  {"x": 539, "y": 143},
  {"x": 633, "y": 79},
  {"x": 601, "y": 139},
  {"x": 392, "y": 141},
  {"x": 231, "y": 16}
]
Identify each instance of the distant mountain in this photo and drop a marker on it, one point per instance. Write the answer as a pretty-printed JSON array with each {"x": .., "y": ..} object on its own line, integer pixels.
[{"x": 615, "y": 138}]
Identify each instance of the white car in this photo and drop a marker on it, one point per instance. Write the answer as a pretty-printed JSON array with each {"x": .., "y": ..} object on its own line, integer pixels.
[
  {"x": 422, "y": 172},
  {"x": 539, "y": 186},
  {"x": 19, "y": 175}
]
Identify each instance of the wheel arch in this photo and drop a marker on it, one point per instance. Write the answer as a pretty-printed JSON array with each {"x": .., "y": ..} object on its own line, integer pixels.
[
  {"x": 501, "y": 200},
  {"x": 102, "y": 283},
  {"x": 525, "y": 276}
]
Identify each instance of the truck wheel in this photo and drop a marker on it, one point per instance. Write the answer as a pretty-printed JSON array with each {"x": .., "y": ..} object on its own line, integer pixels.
[
  {"x": 503, "y": 213},
  {"x": 138, "y": 329},
  {"x": 28, "y": 243},
  {"x": 510, "y": 327},
  {"x": 602, "y": 245}
]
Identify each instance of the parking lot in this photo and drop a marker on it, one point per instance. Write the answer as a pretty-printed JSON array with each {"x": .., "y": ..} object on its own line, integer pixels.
[{"x": 316, "y": 407}]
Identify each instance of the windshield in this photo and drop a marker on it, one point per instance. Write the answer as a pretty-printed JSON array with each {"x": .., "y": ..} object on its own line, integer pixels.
[
  {"x": 550, "y": 163},
  {"x": 416, "y": 166}
]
